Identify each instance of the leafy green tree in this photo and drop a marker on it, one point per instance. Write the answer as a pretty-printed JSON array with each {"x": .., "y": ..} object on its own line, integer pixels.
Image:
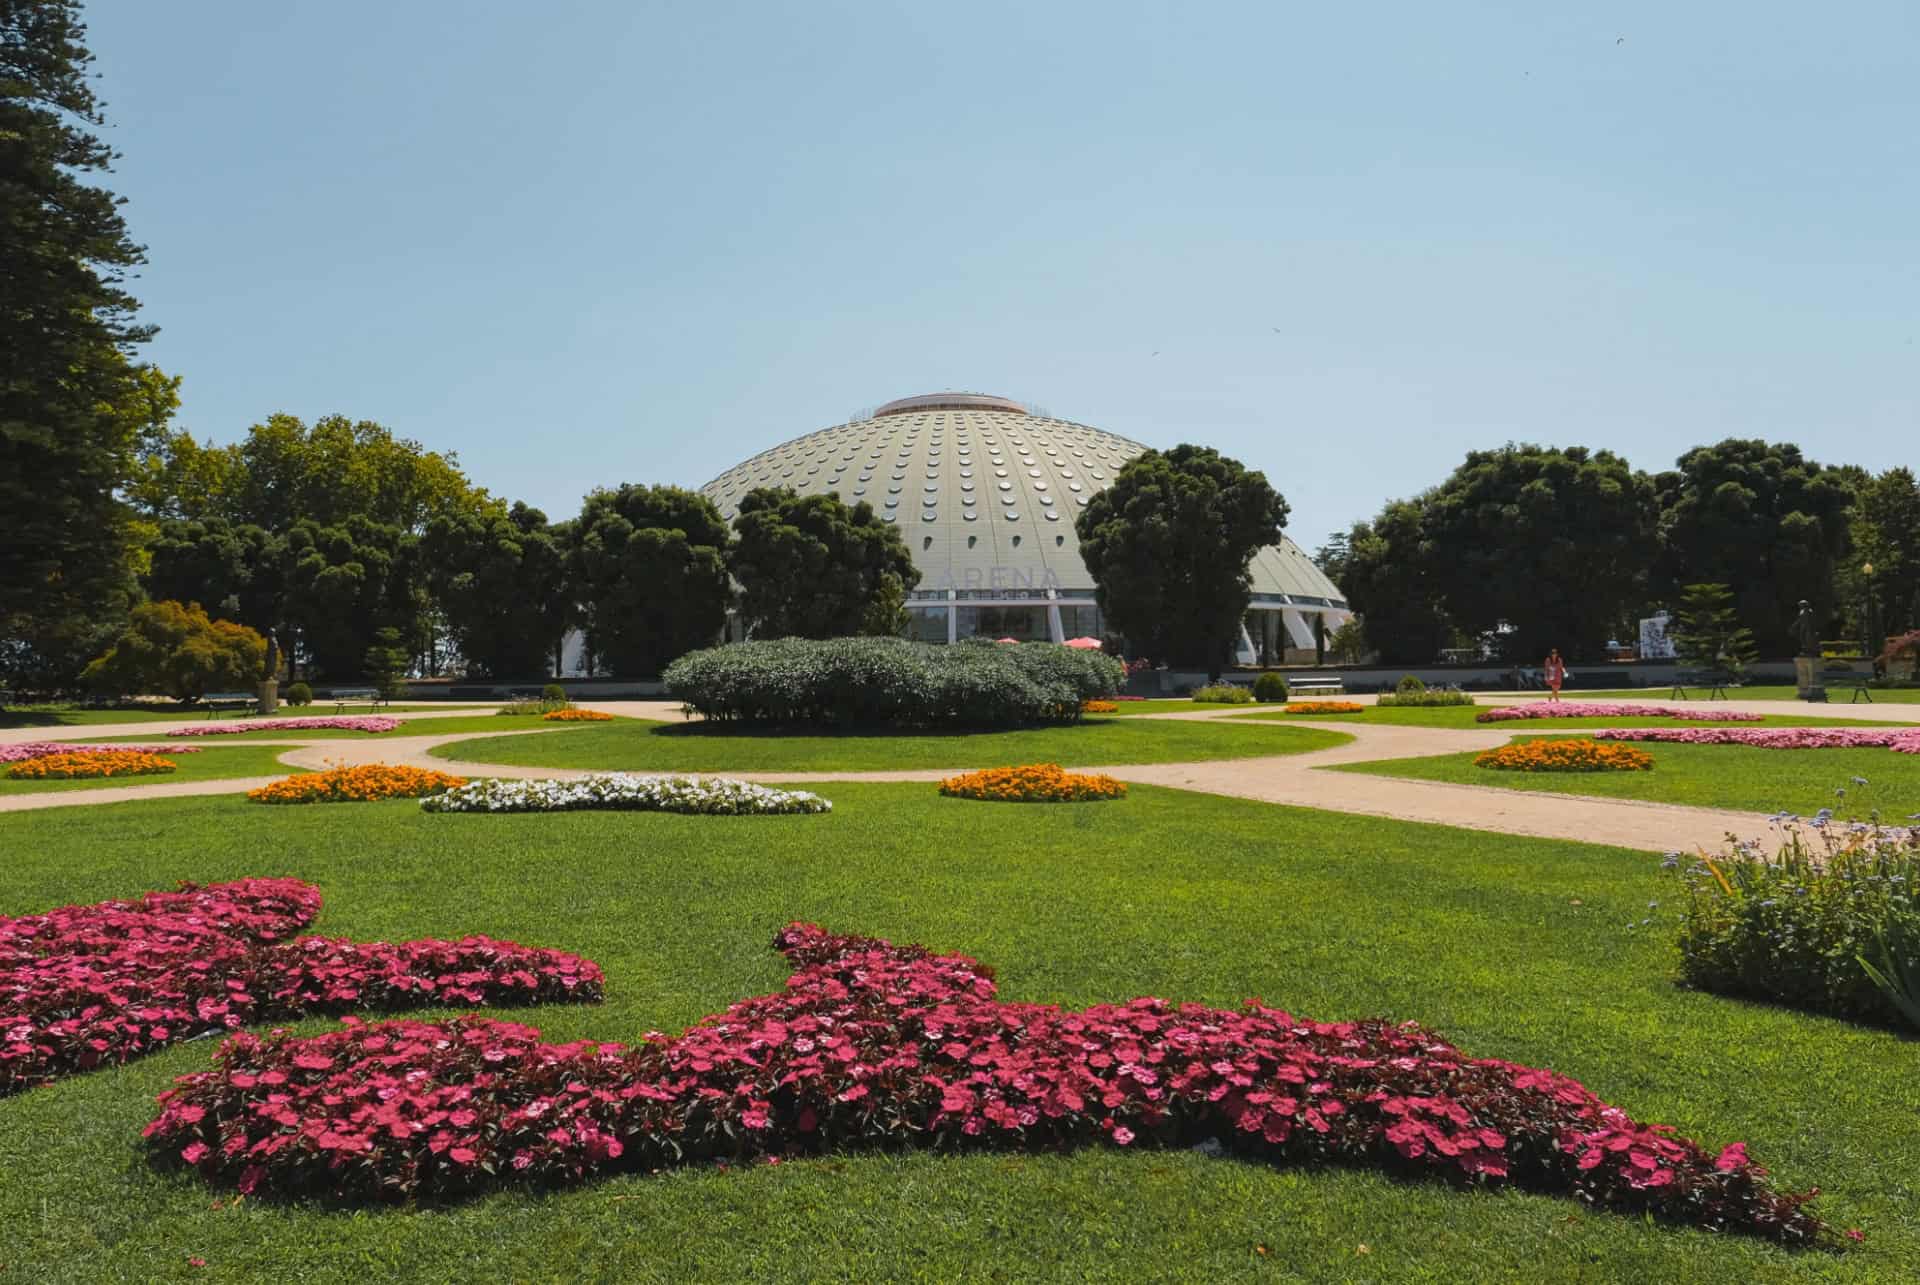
[
  {"x": 385, "y": 664},
  {"x": 809, "y": 566},
  {"x": 650, "y": 569},
  {"x": 1389, "y": 580},
  {"x": 1886, "y": 534},
  {"x": 347, "y": 583},
  {"x": 1169, "y": 544},
  {"x": 72, "y": 405},
  {"x": 1332, "y": 556},
  {"x": 176, "y": 649},
  {"x": 502, "y": 581},
  {"x": 1709, "y": 634},
  {"x": 1759, "y": 517},
  {"x": 1551, "y": 541}
]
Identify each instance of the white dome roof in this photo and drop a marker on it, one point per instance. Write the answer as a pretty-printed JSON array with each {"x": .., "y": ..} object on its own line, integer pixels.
[{"x": 985, "y": 494}]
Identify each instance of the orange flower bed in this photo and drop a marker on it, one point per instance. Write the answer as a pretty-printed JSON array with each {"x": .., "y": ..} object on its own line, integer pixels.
[
  {"x": 1566, "y": 755},
  {"x": 90, "y": 764},
  {"x": 362, "y": 784},
  {"x": 576, "y": 716},
  {"x": 1099, "y": 707},
  {"x": 1033, "y": 783},
  {"x": 1325, "y": 707}
]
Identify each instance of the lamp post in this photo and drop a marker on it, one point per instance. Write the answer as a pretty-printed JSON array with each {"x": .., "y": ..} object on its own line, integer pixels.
[{"x": 1866, "y": 569}]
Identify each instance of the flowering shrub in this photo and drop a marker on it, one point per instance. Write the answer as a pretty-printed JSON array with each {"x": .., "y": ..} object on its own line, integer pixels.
[
  {"x": 40, "y": 749},
  {"x": 618, "y": 791},
  {"x": 87, "y": 986},
  {"x": 372, "y": 723},
  {"x": 572, "y": 715},
  {"x": 877, "y": 1045},
  {"x": 1325, "y": 707},
  {"x": 1099, "y": 707},
  {"x": 1034, "y": 783},
  {"x": 1795, "y": 927},
  {"x": 363, "y": 784},
  {"x": 90, "y": 764},
  {"x": 1565, "y": 754},
  {"x": 1904, "y": 740},
  {"x": 1608, "y": 709}
]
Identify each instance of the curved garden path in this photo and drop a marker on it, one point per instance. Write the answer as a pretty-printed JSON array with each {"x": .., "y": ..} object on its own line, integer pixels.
[{"x": 1293, "y": 780}]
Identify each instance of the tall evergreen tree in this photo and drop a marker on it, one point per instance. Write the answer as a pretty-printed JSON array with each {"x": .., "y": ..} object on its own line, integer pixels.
[
  {"x": 810, "y": 566},
  {"x": 650, "y": 566},
  {"x": 71, "y": 402}
]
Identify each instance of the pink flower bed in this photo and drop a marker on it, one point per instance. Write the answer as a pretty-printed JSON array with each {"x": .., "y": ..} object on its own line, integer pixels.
[
  {"x": 40, "y": 749},
  {"x": 1608, "y": 709},
  {"x": 877, "y": 1045},
  {"x": 1905, "y": 740},
  {"x": 87, "y": 986},
  {"x": 346, "y": 723}
]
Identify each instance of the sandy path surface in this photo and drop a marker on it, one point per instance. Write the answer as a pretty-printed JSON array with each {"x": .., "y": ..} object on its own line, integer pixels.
[{"x": 1294, "y": 780}]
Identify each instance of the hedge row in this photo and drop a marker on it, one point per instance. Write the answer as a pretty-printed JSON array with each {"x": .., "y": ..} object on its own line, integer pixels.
[{"x": 891, "y": 682}]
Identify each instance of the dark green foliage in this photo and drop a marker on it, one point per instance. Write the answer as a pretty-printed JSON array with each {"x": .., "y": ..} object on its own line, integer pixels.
[
  {"x": 346, "y": 586},
  {"x": 1421, "y": 697},
  {"x": 1551, "y": 541},
  {"x": 174, "y": 649},
  {"x": 1410, "y": 685},
  {"x": 1391, "y": 580},
  {"x": 72, "y": 406},
  {"x": 299, "y": 694},
  {"x": 385, "y": 664},
  {"x": 1759, "y": 517},
  {"x": 1886, "y": 534},
  {"x": 809, "y": 566},
  {"x": 1222, "y": 694},
  {"x": 890, "y": 682},
  {"x": 1168, "y": 545},
  {"x": 501, "y": 581},
  {"x": 650, "y": 565},
  {"x": 1270, "y": 687},
  {"x": 553, "y": 692},
  {"x": 1708, "y": 633}
]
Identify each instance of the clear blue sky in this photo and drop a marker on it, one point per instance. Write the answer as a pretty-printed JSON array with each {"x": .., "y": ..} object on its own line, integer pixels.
[{"x": 604, "y": 240}]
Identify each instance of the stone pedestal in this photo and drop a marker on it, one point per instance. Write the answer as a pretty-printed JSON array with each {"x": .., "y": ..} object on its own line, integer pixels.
[
  {"x": 1806, "y": 676},
  {"x": 269, "y": 695}
]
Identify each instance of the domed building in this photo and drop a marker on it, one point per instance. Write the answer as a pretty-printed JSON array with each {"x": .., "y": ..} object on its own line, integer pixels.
[{"x": 985, "y": 493}]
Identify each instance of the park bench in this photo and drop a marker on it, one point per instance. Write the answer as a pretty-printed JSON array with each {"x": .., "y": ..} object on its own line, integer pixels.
[
  {"x": 1716, "y": 681},
  {"x": 245, "y": 702},
  {"x": 1851, "y": 679},
  {"x": 345, "y": 696},
  {"x": 1330, "y": 685}
]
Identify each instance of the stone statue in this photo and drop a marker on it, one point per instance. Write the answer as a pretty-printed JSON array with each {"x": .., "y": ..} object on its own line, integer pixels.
[{"x": 1806, "y": 634}]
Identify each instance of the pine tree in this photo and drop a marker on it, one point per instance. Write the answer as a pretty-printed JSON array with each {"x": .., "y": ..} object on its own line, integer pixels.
[
  {"x": 71, "y": 403},
  {"x": 1710, "y": 634}
]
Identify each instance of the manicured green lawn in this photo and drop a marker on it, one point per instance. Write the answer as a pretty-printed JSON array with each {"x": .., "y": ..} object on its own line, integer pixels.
[
  {"x": 1181, "y": 705},
  {"x": 1462, "y": 716},
  {"x": 210, "y": 764},
  {"x": 710, "y": 747},
  {"x": 410, "y": 727},
  {"x": 73, "y": 716},
  {"x": 1739, "y": 777},
  {"x": 1514, "y": 948}
]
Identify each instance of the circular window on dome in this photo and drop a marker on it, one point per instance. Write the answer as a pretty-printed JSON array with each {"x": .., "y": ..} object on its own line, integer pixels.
[
  {"x": 859, "y": 490},
  {"x": 1033, "y": 472},
  {"x": 931, "y": 489},
  {"x": 1007, "y": 499},
  {"x": 1080, "y": 500},
  {"x": 1039, "y": 486},
  {"x": 1073, "y": 486},
  {"x": 999, "y": 472},
  {"x": 1097, "y": 473},
  {"x": 967, "y": 500},
  {"x": 928, "y": 516},
  {"x": 892, "y": 502},
  {"x": 1052, "y": 516},
  {"x": 866, "y": 477},
  {"x": 889, "y": 516},
  {"x": 966, "y": 486},
  {"x": 1006, "y": 486},
  {"x": 966, "y": 472},
  {"x": 971, "y": 516},
  {"x": 933, "y": 472},
  {"x": 1046, "y": 499},
  {"x": 1013, "y": 515}
]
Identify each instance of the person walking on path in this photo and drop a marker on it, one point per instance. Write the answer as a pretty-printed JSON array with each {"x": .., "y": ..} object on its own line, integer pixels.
[{"x": 1556, "y": 674}]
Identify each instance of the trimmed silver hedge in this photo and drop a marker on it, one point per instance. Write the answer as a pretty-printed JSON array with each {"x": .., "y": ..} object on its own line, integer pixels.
[{"x": 891, "y": 682}]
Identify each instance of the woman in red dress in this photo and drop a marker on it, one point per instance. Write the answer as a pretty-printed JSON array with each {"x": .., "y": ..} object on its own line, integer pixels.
[{"x": 1556, "y": 674}]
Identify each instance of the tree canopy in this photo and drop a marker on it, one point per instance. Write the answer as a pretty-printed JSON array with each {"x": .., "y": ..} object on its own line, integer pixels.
[
  {"x": 1761, "y": 518},
  {"x": 650, "y": 564},
  {"x": 1168, "y": 545},
  {"x": 810, "y": 566},
  {"x": 72, "y": 403},
  {"x": 502, "y": 582},
  {"x": 177, "y": 649},
  {"x": 1886, "y": 535},
  {"x": 1391, "y": 580}
]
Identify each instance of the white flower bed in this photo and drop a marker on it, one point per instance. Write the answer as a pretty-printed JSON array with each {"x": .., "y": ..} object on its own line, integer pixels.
[{"x": 624, "y": 791}]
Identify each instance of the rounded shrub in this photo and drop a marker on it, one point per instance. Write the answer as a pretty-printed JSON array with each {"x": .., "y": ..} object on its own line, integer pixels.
[
  {"x": 891, "y": 682},
  {"x": 1270, "y": 687},
  {"x": 553, "y": 692},
  {"x": 1223, "y": 694},
  {"x": 299, "y": 694},
  {"x": 1410, "y": 686}
]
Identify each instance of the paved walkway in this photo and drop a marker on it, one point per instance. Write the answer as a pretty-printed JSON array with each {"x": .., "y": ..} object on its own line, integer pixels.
[{"x": 1295, "y": 780}]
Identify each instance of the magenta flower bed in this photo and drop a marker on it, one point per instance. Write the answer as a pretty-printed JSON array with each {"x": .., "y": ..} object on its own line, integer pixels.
[
  {"x": 40, "y": 749},
  {"x": 87, "y": 986},
  {"x": 1608, "y": 709},
  {"x": 1905, "y": 740},
  {"x": 877, "y": 1045},
  {"x": 346, "y": 723}
]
